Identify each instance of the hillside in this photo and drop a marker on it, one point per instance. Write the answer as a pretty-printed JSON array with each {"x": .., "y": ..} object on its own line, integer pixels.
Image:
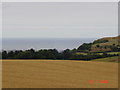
[
  {"x": 103, "y": 44},
  {"x": 107, "y": 44},
  {"x": 108, "y": 59}
]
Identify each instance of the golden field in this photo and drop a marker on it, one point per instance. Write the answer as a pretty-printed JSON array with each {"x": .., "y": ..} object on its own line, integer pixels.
[{"x": 58, "y": 74}]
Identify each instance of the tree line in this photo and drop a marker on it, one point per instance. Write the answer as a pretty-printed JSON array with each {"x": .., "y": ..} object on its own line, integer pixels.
[{"x": 53, "y": 54}]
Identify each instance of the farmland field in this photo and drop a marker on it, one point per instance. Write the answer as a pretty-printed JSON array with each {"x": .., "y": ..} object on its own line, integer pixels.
[
  {"x": 108, "y": 59},
  {"x": 58, "y": 74}
]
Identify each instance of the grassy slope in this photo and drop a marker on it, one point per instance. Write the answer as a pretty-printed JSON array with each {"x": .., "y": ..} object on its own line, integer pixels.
[
  {"x": 58, "y": 74},
  {"x": 112, "y": 40},
  {"x": 108, "y": 59},
  {"x": 82, "y": 53}
]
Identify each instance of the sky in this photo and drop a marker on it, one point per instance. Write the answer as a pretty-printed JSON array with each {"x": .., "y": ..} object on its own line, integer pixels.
[{"x": 59, "y": 19}]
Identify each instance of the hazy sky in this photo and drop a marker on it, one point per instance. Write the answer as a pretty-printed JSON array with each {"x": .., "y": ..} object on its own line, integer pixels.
[{"x": 60, "y": 20}]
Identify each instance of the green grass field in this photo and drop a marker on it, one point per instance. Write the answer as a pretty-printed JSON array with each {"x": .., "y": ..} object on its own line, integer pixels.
[
  {"x": 79, "y": 53},
  {"x": 112, "y": 53},
  {"x": 108, "y": 59}
]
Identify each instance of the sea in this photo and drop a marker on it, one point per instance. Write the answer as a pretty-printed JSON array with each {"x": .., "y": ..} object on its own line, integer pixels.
[{"x": 43, "y": 43}]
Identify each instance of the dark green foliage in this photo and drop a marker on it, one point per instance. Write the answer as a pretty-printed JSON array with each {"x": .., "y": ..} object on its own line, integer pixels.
[
  {"x": 85, "y": 47},
  {"x": 10, "y": 54},
  {"x": 0, "y": 55},
  {"x": 28, "y": 54},
  {"x": 97, "y": 46},
  {"x": 32, "y": 54},
  {"x": 47, "y": 54},
  {"x": 53, "y": 54},
  {"x": 4, "y": 54},
  {"x": 66, "y": 54}
]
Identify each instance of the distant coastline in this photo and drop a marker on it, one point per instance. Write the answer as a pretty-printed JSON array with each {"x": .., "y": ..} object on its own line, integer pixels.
[
  {"x": 43, "y": 43},
  {"x": 100, "y": 48}
]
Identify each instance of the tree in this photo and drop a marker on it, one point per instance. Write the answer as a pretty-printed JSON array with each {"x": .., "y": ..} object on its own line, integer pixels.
[
  {"x": 97, "y": 46},
  {"x": 85, "y": 46},
  {"x": 66, "y": 54},
  {"x": 4, "y": 54},
  {"x": 10, "y": 55}
]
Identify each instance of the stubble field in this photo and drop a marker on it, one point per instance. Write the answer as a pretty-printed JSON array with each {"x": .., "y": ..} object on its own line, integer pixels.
[{"x": 58, "y": 74}]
